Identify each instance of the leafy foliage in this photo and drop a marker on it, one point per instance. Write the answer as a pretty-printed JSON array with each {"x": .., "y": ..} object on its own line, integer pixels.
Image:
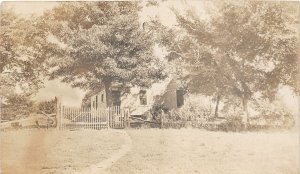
[
  {"x": 104, "y": 43},
  {"x": 47, "y": 107},
  {"x": 273, "y": 113},
  {"x": 16, "y": 107},
  {"x": 192, "y": 110},
  {"x": 22, "y": 45},
  {"x": 244, "y": 48},
  {"x": 157, "y": 110}
]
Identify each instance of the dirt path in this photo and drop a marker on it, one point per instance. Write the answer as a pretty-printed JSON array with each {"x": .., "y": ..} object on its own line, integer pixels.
[{"x": 106, "y": 164}]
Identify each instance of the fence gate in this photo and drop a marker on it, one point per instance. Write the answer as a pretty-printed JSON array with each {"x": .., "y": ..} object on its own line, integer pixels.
[{"x": 87, "y": 118}]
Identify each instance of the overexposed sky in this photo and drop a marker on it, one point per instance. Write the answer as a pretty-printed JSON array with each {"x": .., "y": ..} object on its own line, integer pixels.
[
  {"x": 26, "y": 8},
  {"x": 69, "y": 96}
]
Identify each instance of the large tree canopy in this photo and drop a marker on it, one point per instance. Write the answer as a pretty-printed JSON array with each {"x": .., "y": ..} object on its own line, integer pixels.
[
  {"x": 243, "y": 49},
  {"x": 104, "y": 43},
  {"x": 17, "y": 66},
  {"x": 23, "y": 49}
]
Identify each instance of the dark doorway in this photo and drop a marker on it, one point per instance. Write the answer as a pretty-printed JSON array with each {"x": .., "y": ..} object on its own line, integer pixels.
[{"x": 116, "y": 98}]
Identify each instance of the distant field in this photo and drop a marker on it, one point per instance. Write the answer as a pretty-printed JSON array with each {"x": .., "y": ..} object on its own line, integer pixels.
[
  {"x": 167, "y": 151},
  {"x": 189, "y": 151},
  {"x": 55, "y": 152}
]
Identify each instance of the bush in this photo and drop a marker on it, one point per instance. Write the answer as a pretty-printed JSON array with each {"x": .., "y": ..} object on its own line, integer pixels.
[
  {"x": 274, "y": 114},
  {"x": 196, "y": 111},
  {"x": 157, "y": 110},
  {"x": 17, "y": 106},
  {"x": 232, "y": 123},
  {"x": 48, "y": 107},
  {"x": 192, "y": 111},
  {"x": 147, "y": 116}
]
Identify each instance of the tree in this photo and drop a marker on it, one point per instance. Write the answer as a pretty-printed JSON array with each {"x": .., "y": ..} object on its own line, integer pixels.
[
  {"x": 104, "y": 43},
  {"x": 47, "y": 107},
  {"x": 16, "y": 106},
  {"x": 21, "y": 56},
  {"x": 202, "y": 69},
  {"x": 243, "y": 49}
]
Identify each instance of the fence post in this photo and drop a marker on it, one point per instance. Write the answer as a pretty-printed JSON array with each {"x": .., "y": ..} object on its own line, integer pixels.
[
  {"x": 107, "y": 115},
  {"x": 127, "y": 119},
  {"x": 62, "y": 112},
  {"x": 112, "y": 117},
  {"x": 0, "y": 112},
  {"x": 162, "y": 119},
  {"x": 58, "y": 114}
]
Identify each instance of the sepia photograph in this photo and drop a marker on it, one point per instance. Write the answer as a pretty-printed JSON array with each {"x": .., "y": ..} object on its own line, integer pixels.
[{"x": 149, "y": 87}]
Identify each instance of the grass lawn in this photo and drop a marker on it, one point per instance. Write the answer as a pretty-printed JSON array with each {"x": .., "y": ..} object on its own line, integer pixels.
[
  {"x": 195, "y": 151},
  {"x": 53, "y": 152},
  {"x": 151, "y": 151}
]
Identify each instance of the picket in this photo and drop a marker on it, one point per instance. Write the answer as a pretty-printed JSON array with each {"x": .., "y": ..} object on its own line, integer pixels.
[{"x": 91, "y": 118}]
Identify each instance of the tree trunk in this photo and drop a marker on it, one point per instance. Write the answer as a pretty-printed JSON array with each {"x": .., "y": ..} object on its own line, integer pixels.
[
  {"x": 107, "y": 86},
  {"x": 217, "y": 106},
  {"x": 245, "y": 95}
]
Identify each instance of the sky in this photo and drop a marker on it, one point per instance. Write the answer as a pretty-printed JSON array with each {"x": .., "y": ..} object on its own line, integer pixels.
[{"x": 30, "y": 7}]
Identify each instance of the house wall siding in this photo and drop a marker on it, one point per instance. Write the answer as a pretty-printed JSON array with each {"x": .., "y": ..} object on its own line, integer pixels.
[
  {"x": 169, "y": 98},
  {"x": 100, "y": 103},
  {"x": 159, "y": 93}
]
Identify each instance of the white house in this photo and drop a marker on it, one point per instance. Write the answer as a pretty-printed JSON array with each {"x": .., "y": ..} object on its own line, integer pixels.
[{"x": 139, "y": 100}]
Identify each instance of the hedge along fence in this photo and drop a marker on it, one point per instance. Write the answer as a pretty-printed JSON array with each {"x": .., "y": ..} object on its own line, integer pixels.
[
  {"x": 191, "y": 124},
  {"x": 219, "y": 126},
  {"x": 203, "y": 124},
  {"x": 231, "y": 123}
]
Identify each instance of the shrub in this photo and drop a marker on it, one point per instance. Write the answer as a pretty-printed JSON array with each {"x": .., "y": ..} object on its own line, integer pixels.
[
  {"x": 157, "y": 110},
  {"x": 48, "y": 107},
  {"x": 232, "y": 123},
  {"x": 16, "y": 106},
  {"x": 147, "y": 116},
  {"x": 274, "y": 114},
  {"x": 194, "y": 109}
]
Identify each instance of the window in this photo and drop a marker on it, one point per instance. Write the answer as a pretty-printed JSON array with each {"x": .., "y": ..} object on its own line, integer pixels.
[
  {"x": 179, "y": 96},
  {"x": 143, "y": 97},
  {"x": 93, "y": 104},
  {"x": 102, "y": 98}
]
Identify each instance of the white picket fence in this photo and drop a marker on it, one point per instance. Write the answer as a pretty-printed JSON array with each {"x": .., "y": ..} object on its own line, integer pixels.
[
  {"x": 87, "y": 118},
  {"x": 78, "y": 118}
]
